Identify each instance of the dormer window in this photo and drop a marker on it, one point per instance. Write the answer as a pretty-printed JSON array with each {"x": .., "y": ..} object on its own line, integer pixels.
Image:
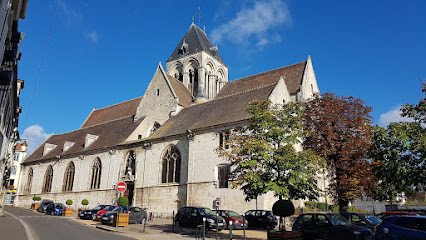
[
  {"x": 48, "y": 147},
  {"x": 90, "y": 138},
  {"x": 184, "y": 48},
  {"x": 68, "y": 145}
]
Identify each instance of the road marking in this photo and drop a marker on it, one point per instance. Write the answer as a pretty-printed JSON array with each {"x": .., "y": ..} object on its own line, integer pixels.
[{"x": 27, "y": 229}]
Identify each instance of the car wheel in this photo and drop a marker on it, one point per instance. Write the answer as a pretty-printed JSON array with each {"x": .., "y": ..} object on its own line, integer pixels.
[{"x": 142, "y": 221}]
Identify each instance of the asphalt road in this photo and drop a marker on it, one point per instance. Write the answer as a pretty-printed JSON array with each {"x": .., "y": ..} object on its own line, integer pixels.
[{"x": 44, "y": 227}]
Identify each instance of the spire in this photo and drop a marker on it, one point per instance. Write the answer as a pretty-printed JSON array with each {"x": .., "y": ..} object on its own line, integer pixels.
[{"x": 195, "y": 40}]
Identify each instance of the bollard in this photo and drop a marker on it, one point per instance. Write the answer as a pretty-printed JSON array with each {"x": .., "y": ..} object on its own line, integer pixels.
[
  {"x": 217, "y": 227},
  {"x": 244, "y": 226},
  {"x": 144, "y": 225},
  {"x": 204, "y": 228},
  {"x": 173, "y": 216},
  {"x": 230, "y": 230}
]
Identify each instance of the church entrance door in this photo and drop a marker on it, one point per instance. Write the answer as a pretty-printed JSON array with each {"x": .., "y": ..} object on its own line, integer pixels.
[{"x": 130, "y": 191}]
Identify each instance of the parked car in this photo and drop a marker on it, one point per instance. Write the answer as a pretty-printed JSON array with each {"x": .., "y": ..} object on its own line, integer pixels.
[
  {"x": 261, "y": 218},
  {"x": 136, "y": 215},
  {"x": 361, "y": 219},
  {"x": 384, "y": 215},
  {"x": 102, "y": 211},
  {"x": 43, "y": 205},
  {"x": 108, "y": 217},
  {"x": 193, "y": 216},
  {"x": 90, "y": 214},
  {"x": 231, "y": 216},
  {"x": 55, "y": 209},
  {"x": 328, "y": 226},
  {"x": 401, "y": 227}
]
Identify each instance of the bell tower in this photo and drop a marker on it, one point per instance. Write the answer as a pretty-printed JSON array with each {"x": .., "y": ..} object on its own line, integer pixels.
[{"x": 197, "y": 64}]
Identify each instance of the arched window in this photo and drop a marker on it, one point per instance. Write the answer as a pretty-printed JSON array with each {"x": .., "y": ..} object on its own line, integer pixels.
[
  {"x": 47, "y": 186},
  {"x": 155, "y": 127},
  {"x": 27, "y": 188},
  {"x": 96, "y": 174},
  {"x": 69, "y": 177},
  {"x": 171, "y": 165},
  {"x": 131, "y": 164}
]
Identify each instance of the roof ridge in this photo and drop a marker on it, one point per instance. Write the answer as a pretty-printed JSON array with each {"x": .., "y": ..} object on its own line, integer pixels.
[
  {"x": 117, "y": 103},
  {"x": 266, "y": 71}
]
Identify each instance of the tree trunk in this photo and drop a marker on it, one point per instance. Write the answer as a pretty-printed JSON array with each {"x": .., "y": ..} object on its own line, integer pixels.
[{"x": 343, "y": 205}]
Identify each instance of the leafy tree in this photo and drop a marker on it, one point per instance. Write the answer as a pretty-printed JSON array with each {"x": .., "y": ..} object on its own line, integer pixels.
[
  {"x": 399, "y": 153},
  {"x": 123, "y": 201},
  {"x": 264, "y": 154},
  {"x": 85, "y": 202},
  {"x": 340, "y": 132}
]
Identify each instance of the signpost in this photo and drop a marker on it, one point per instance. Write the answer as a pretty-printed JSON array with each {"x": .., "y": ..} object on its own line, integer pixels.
[{"x": 121, "y": 187}]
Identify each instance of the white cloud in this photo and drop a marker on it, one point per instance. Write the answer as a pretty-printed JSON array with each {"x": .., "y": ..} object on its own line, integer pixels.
[
  {"x": 93, "y": 36},
  {"x": 35, "y": 136},
  {"x": 70, "y": 15},
  {"x": 393, "y": 115},
  {"x": 255, "y": 22}
]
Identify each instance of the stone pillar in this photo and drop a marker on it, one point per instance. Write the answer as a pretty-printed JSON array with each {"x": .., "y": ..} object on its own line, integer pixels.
[
  {"x": 185, "y": 78},
  {"x": 201, "y": 94},
  {"x": 213, "y": 85}
]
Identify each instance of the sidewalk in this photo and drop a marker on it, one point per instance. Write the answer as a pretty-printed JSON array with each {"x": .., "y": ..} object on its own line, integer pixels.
[{"x": 161, "y": 228}]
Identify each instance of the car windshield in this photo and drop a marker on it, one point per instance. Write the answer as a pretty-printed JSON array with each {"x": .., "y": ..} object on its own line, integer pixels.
[
  {"x": 206, "y": 211},
  {"x": 233, "y": 214},
  {"x": 337, "y": 219},
  {"x": 110, "y": 208},
  {"x": 372, "y": 219},
  {"x": 59, "y": 205},
  {"x": 98, "y": 207}
]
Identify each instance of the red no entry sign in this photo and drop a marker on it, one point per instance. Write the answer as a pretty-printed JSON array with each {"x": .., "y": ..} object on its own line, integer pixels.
[{"x": 121, "y": 187}]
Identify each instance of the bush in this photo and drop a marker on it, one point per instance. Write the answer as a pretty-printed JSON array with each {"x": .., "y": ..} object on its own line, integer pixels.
[
  {"x": 35, "y": 198},
  {"x": 69, "y": 202},
  {"x": 85, "y": 202},
  {"x": 283, "y": 208},
  {"x": 123, "y": 201},
  {"x": 352, "y": 209}
]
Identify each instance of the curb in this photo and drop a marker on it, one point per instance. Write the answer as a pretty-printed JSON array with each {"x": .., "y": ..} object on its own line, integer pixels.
[{"x": 108, "y": 229}]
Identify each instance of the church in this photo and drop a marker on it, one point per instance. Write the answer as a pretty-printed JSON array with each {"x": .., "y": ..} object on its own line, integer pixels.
[{"x": 163, "y": 144}]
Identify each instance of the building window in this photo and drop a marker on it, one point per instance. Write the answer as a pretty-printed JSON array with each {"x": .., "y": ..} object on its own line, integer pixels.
[
  {"x": 158, "y": 92},
  {"x": 171, "y": 165},
  {"x": 96, "y": 174},
  {"x": 223, "y": 175},
  {"x": 29, "y": 181},
  {"x": 224, "y": 139},
  {"x": 47, "y": 186},
  {"x": 11, "y": 182},
  {"x": 155, "y": 127},
  {"x": 69, "y": 177},
  {"x": 14, "y": 169},
  {"x": 16, "y": 157}
]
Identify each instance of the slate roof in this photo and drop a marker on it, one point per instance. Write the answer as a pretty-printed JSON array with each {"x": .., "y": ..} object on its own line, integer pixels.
[
  {"x": 185, "y": 97},
  {"x": 110, "y": 113},
  {"x": 197, "y": 40},
  {"x": 109, "y": 134},
  {"x": 219, "y": 111},
  {"x": 292, "y": 74}
]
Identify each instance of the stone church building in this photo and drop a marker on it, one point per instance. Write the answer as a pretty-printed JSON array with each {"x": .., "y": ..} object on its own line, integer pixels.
[{"x": 163, "y": 143}]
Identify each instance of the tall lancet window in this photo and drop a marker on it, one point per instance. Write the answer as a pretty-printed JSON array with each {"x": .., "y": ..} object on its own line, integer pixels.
[
  {"x": 96, "y": 174},
  {"x": 131, "y": 165},
  {"x": 27, "y": 188},
  {"x": 69, "y": 177},
  {"x": 48, "y": 176},
  {"x": 171, "y": 165}
]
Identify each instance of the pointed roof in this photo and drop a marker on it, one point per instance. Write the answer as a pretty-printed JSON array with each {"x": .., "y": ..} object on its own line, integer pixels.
[{"x": 195, "y": 40}]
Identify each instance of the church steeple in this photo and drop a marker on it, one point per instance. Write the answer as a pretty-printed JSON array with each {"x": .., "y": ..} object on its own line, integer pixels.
[{"x": 197, "y": 63}]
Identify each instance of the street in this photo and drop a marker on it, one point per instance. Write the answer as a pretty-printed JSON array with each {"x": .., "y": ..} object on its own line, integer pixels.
[{"x": 44, "y": 227}]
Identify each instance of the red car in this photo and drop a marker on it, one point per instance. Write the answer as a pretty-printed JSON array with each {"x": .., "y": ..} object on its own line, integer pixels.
[
  {"x": 393, "y": 213},
  {"x": 235, "y": 218},
  {"x": 106, "y": 209}
]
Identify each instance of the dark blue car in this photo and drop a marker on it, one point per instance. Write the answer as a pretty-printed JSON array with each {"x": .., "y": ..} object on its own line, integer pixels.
[
  {"x": 55, "y": 209},
  {"x": 401, "y": 227}
]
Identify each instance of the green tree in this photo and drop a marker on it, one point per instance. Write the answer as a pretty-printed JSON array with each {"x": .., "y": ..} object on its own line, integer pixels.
[
  {"x": 340, "y": 132},
  {"x": 264, "y": 154},
  {"x": 399, "y": 153}
]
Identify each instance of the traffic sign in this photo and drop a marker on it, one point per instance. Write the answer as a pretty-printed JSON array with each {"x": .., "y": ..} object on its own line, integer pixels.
[{"x": 121, "y": 187}]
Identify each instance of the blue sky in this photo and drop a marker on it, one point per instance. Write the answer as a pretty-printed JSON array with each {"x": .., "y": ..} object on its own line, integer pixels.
[{"x": 101, "y": 54}]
